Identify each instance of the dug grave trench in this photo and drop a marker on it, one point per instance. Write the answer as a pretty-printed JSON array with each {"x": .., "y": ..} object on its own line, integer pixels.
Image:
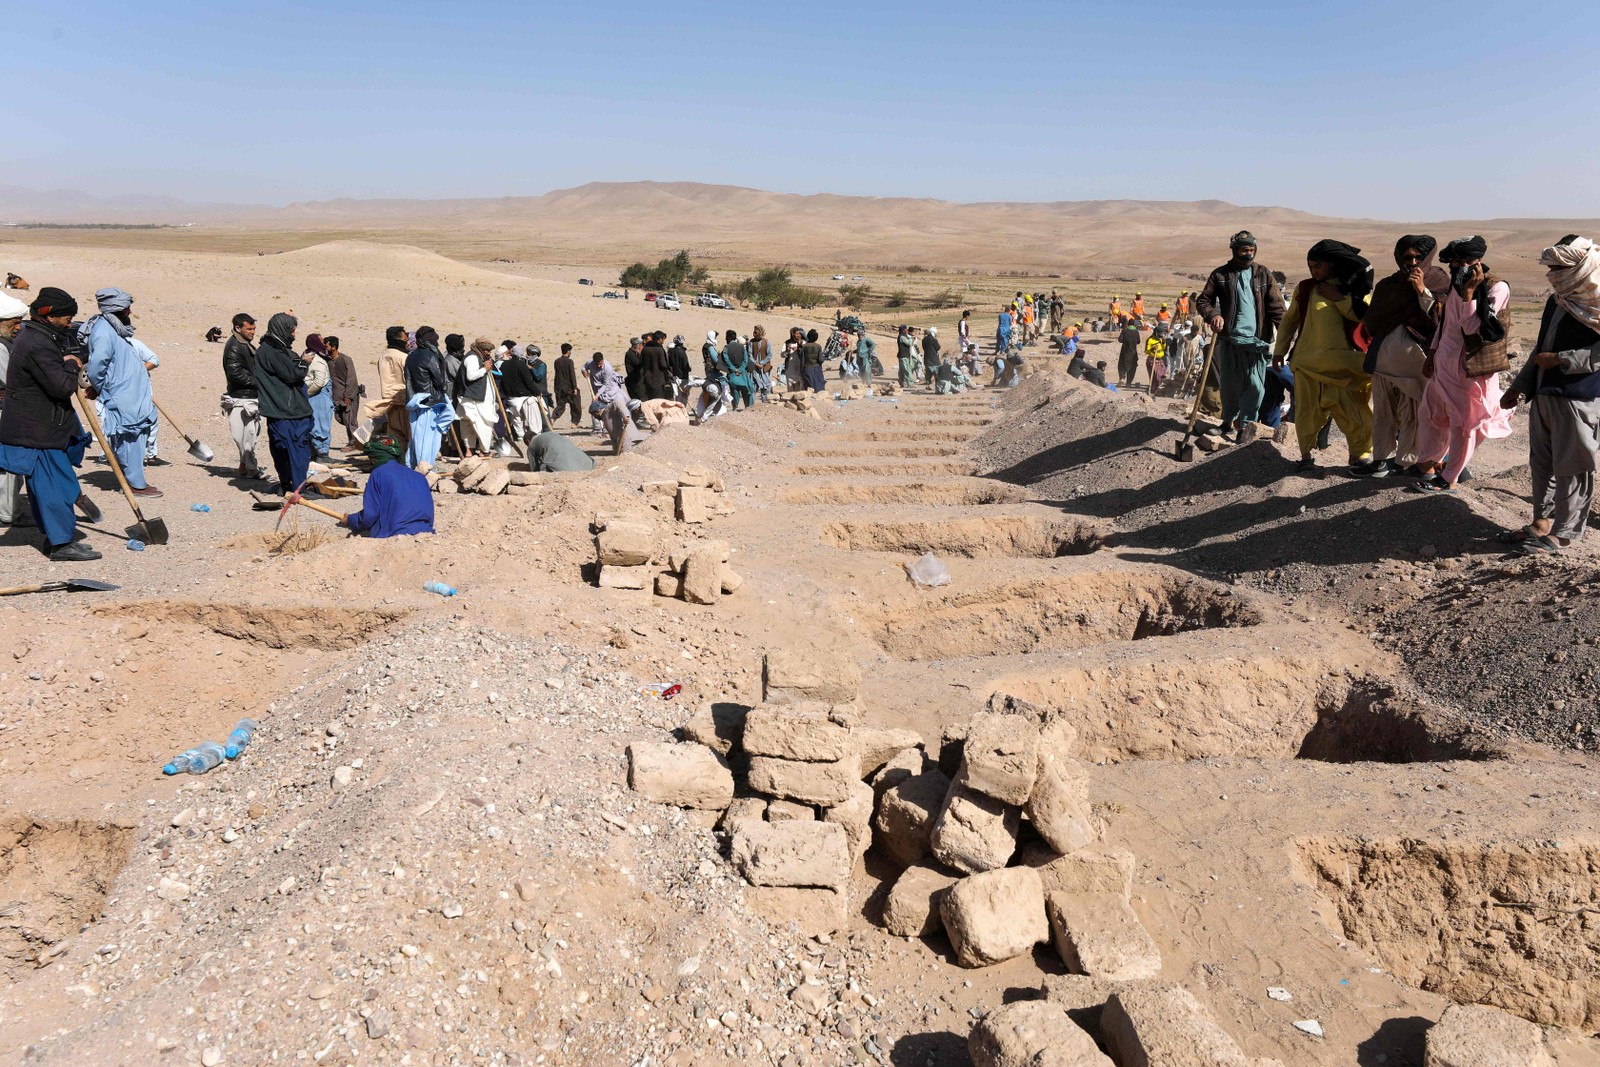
[
  {"x": 55, "y": 876},
  {"x": 988, "y": 535}
]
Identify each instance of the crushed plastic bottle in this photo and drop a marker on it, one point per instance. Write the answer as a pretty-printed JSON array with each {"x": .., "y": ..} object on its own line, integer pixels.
[
  {"x": 239, "y": 740},
  {"x": 440, "y": 588},
  {"x": 199, "y": 507},
  {"x": 135, "y": 545},
  {"x": 198, "y": 760},
  {"x": 654, "y": 689},
  {"x": 928, "y": 572}
]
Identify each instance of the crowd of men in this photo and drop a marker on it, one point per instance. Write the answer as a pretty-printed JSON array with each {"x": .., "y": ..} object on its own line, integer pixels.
[{"x": 1408, "y": 367}]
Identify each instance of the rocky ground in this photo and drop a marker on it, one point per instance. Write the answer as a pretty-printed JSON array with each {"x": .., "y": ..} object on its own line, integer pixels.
[{"x": 1321, "y": 719}]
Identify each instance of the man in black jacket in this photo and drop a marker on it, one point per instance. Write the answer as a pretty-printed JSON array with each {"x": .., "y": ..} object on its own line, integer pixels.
[
  {"x": 280, "y": 379},
  {"x": 678, "y": 367},
  {"x": 41, "y": 439},
  {"x": 520, "y": 393},
  {"x": 428, "y": 393},
  {"x": 240, "y": 397},
  {"x": 1243, "y": 304}
]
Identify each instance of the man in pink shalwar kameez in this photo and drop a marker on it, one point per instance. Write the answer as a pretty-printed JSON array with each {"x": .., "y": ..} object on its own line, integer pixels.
[{"x": 1458, "y": 411}]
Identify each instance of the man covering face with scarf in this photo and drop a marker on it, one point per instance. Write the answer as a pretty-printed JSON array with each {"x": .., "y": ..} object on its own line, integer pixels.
[
  {"x": 1561, "y": 381},
  {"x": 1401, "y": 317},
  {"x": 280, "y": 376},
  {"x": 1242, "y": 302},
  {"x": 396, "y": 499},
  {"x": 1318, "y": 337}
]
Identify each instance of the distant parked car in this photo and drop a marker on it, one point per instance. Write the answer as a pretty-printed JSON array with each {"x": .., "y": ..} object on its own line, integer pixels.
[
  {"x": 609, "y": 295},
  {"x": 838, "y": 277},
  {"x": 649, "y": 296},
  {"x": 668, "y": 302},
  {"x": 712, "y": 300},
  {"x": 857, "y": 278},
  {"x": 585, "y": 281}
]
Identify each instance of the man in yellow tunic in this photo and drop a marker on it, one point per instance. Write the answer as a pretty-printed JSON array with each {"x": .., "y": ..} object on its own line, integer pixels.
[{"x": 1316, "y": 339}]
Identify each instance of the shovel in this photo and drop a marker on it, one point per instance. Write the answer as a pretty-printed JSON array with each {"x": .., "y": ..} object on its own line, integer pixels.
[
  {"x": 1183, "y": 451},
  {"x": 197, "y": 449},
  {"x": 151, "y": 531},
  {"x": 501, "y": 404},
  {"x": 71, "y": 585}
]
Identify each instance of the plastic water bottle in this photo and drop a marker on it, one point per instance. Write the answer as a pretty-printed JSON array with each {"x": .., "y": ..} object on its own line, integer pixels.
[
  {"x": 199, "y": 507},
  {"x": 440, "y": 588},
  {"x": 135, "y": 545},
  {"x": 198, "y": 760},
  {"x": 239, "y": 740}
]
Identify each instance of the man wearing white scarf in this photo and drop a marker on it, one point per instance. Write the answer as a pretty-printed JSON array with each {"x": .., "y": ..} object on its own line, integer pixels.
[{"x": 1562, "y": 382}]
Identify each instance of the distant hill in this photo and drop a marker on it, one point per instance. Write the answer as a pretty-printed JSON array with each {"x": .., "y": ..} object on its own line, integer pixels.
[{"x": 622, "y": 221}]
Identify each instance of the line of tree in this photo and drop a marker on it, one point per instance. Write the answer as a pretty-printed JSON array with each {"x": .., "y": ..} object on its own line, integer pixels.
[
  {"x": 668, "y": 274},
  {"x": 775, "y": 287}
]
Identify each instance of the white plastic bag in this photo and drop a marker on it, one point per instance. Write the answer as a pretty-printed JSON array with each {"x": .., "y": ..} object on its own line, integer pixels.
[{"x": 928, "y": 572}]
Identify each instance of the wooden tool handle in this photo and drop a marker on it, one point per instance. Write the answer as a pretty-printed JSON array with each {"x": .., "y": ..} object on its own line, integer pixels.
[
  {"x": 319, "y": 508},
  {"x": 48, "y": 587},
  {"x": 1205, "y": 372},
  {"x": 111, "y": 457},
  {"x": 187, "y": 439}
]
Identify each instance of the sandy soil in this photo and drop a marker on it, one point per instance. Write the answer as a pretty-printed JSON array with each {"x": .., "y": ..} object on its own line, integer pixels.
[{"x": 430, "y": 854}]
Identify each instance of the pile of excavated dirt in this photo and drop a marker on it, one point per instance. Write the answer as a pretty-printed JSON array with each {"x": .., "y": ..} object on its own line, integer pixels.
[{"x": 1393, "y": 562}]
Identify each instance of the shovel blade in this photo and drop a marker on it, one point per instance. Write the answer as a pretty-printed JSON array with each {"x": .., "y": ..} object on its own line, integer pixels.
[
  {"x": 89, "y": 509},
  {"x": 90, "y": 585},
  {"x": 154, "y": 531},
  {"x": 199, "y": 451},
  {"x": 1183, "y": 452}
]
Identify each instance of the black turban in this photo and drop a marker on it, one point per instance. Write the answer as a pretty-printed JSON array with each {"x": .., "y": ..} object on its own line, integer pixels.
[
  {"x": 1420, "y": 243},
  {"x": 427, "y": 335},
  {"x": 281, "y": 327},
  {"x": 395, "y": 337},
  {"x": 1352, "y": 271},
  {"x": 52, "y": 301},
  {"x": 1472, "y": 247},
  {"x": 1243, "y": 237}
]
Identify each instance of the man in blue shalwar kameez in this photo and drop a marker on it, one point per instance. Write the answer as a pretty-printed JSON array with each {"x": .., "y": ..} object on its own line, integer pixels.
[{"x": 122, "y": 385}]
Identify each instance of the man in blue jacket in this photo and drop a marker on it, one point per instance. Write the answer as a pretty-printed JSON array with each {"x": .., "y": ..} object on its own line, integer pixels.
[{"x": 397, "y": 499}]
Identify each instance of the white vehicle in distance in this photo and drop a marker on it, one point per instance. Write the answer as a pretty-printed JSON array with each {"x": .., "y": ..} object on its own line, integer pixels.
[
  {"x": 838, "y": 277},
  {"x": 712, "y": 300},
  {"x": 668, "y": 302},
  {"x": 857, "y": 278}
]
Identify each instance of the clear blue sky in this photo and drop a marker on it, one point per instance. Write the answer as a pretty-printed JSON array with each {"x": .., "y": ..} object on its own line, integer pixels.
[{"x": 1347, "y": 109}]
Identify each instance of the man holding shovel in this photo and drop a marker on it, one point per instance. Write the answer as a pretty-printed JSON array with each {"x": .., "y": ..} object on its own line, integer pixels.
[
  {"x": 40, "y": 436},
  {"x": 121, "y": 383}
]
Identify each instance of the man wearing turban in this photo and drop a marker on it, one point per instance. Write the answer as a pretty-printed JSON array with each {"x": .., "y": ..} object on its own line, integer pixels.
[
  {"x": 396, "y": 499},
  {"x": 1561, "y": 381},
  {"x": 121, "y": 383},
  {"x": 1243, "y": 304},
  {"x": 1317, "y": 338},
  {"x": 1460, "y": 407},
  {"x": 1400, "y": 320}
]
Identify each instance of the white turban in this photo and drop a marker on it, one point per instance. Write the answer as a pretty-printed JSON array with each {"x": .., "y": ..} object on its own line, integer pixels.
[
  {"x": 1574, "y": 273},
  {"x": 933, "y": 331},
  {"x": 711, "y": 335},
  {"x": 12, "y": 308}
]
